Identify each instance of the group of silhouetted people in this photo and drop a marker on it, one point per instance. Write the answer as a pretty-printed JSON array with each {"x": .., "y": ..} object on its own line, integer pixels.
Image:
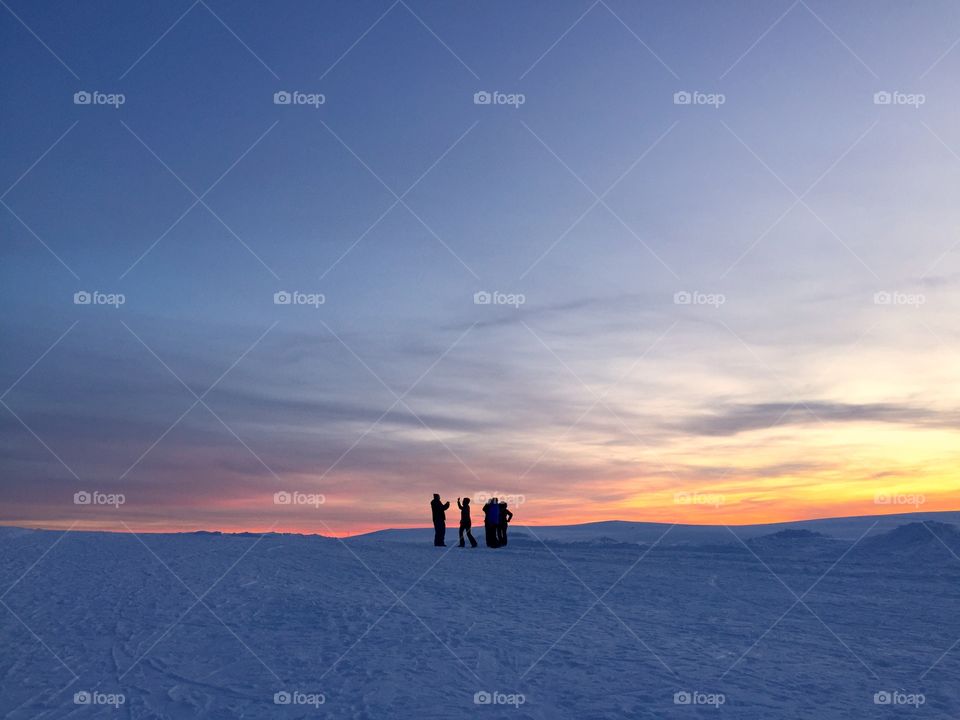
[{"x": 496, "y": 517}]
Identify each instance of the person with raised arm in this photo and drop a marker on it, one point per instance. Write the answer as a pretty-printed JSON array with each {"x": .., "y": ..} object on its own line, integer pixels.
[{"x": 465, "y": 523}]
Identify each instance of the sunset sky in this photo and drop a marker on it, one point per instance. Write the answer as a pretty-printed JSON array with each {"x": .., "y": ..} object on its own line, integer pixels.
[{"x": 813, "y": 226}]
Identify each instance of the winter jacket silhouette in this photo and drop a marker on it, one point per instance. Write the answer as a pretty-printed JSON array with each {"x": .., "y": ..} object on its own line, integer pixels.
[
  {"x": 465, "y": 523},
  {"x": 439, "y": 520},
  {"x": 505, "y": 517},
  {"x": 491, "y": 519}
]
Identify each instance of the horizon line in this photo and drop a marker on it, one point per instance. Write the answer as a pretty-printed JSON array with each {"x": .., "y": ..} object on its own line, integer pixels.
[{"x": 306, "y": 533}]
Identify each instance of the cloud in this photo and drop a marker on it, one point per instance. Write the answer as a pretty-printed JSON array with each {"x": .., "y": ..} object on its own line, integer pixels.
[{"x": 738, "y": 418}]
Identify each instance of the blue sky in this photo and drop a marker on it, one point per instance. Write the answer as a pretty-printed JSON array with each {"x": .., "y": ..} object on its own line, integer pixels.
[{"x": 794, "y": 202}]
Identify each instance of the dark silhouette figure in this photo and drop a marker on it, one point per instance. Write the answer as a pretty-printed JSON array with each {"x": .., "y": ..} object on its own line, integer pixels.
[
  {"x": 505, "y": 517},
  {"x": 491, "y": 519},
  {"x": 465, "y": 523},
  {"x": 439, "y": 520}
]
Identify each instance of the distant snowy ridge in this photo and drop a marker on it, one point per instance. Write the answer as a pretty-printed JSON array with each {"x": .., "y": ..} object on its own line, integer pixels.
[
  {"x": 617, "y": 532},
  {"x": 917, "y": 539},
  {"x": 666, "y": 534}
]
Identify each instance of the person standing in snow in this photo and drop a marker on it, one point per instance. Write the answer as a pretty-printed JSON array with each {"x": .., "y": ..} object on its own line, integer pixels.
[
  {"x": 439, "y": 520},
  {"x": 505, "y": 517},
  {"x": 465, "y": 523},
  {"x": 491, "y": 518}
]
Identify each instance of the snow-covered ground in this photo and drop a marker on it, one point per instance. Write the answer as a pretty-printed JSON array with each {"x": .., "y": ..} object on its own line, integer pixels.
[{"x": 794, "y": 622}]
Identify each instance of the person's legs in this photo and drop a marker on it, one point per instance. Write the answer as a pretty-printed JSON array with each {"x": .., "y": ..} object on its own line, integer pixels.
[
  {"x": 473, "y": 540},
  {"x": 461, "y": 534},
  {"x": 439, "y": 530},
  {"x": 490, "y": 530},
  {"x": 503, "y": 534}
]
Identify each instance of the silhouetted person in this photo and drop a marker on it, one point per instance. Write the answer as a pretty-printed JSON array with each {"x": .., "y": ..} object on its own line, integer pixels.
[
  {"x": 491, "y": 518},
  {"x": 465, "y": 523},
  {"x": 439, "y": 520},
  {"x": 505, "y": 517}
]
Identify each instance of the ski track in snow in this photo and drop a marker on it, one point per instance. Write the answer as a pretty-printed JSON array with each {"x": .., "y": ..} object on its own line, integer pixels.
[{"x": 313, "y": 614}]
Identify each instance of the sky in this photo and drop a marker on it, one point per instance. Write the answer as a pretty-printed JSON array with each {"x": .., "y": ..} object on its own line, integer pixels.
[{"x": 718, "y": 241}]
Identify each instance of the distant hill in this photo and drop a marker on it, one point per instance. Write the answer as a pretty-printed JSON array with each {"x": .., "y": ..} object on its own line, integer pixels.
[
  {"x": 623, "y": 531},
  {"x": 619, "y": 532},
  {"x": 791, "y": 536},
  {"x": 929, "y": 539}
]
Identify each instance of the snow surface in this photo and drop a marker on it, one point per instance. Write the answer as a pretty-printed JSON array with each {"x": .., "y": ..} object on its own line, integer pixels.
[{"x": 587, "y": 624}]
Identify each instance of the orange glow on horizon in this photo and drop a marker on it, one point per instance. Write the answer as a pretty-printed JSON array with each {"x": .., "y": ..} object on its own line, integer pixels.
[{"x": 751, "y": 478}]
